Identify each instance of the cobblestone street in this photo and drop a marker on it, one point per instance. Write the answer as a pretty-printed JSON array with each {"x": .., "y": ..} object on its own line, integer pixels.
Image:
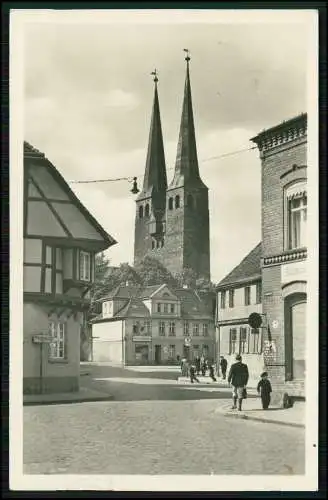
[{"x": 154, "y": 426}]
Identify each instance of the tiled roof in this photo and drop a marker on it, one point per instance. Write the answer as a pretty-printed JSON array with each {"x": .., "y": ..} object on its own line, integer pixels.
[
  {"x": 135, "y": 308},
  {"x": 249, "y": 268},
  {"x": 191, "y": 304},
  {"x": 30, "y": 151},
  {"x": 123, "y": 292},
  {"x": 147, "y": 291}
]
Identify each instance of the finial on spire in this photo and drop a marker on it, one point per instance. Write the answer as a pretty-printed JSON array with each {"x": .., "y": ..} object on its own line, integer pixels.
[
  {"x": 187, "y": 58},
  {"x": 154, "y": 73}
]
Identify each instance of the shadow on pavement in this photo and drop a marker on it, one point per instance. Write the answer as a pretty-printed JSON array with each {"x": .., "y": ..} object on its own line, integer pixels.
[{"x": 117, "y": 371}]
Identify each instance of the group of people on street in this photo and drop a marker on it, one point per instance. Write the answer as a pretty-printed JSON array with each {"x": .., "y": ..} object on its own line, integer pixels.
[
  {"x": 238, "y": 378},
  {"x": 200, "y": 366}
]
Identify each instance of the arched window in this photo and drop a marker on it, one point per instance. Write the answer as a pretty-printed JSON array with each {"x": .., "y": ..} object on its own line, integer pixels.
[
  {"x": 140, "y": 212},
  {"x": 190, "y": 201},
  {"x": 170, "y": 203},
  {"x": 296, "y": 215},
  {"x": 147, "y": 210},
  {"x": 177, "y": 201}
]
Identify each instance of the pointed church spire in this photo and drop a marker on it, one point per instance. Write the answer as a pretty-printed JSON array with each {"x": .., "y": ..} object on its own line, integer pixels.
[
  {"x": 155, "y": 179},
  {"x": 186, "y": 165}
]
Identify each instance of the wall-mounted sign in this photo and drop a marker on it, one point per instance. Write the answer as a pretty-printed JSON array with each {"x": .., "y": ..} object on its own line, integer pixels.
[
  {"x": 255, "y": 320},
  {"x": 275, "y": 324},
  {"x": 42, "y": 339},
  {"x": 141, "y": 338},
  {"x": 187, "y": 341}
]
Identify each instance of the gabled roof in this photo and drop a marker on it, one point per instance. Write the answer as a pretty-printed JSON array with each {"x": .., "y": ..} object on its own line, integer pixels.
[
  {"x": 31, "y": 154},
  {"x": 122, "y": 292},
  {"x": 249, "y": 269}
]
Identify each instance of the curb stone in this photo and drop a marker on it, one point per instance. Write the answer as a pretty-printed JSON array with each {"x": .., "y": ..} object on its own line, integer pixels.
[{"x": 243, "y": 416}]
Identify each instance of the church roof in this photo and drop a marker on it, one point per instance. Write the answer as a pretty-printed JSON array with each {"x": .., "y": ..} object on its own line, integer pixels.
[
  {"x": 155, "y": 179},
  {"x": 248, "y": 269},
  {"x": 186, "y": 165}
]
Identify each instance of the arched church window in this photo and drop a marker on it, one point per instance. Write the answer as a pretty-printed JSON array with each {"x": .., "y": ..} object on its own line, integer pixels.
[
  {"x": 177, "y": 201},
  {"x": 140, "y": 212},
  {"x": 147, "y": 210},
  {"x": 190, "y": 201},
  {"x": 170, "y": 203}
]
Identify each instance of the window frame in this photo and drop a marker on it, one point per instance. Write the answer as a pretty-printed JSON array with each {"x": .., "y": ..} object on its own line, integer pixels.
[
  {"x": 302, "y": 183},
  {"x": 55, "y": 327},
  {"x": 243, "y": 348},
  {"x": 172, "y": 329},
  {"x": 205, "y": 330},
  {"x": 161, "y": 329},
  {"x": 259, "y": 292},
  {"x": 186, "y": 328},
  {"x": 247, "y": 295},
  {"x": 223, "y": 299},
  {"x": 231, "y": 298},
  {"x": 195, "y": 329},
  {"x": 233, "y": 342}
]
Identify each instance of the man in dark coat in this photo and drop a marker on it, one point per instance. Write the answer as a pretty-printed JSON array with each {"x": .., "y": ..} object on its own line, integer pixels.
[
  {"x": 223, "y": 365},
  {"x": 238, "y": 378},
  {"x": 197, "y": 364}
]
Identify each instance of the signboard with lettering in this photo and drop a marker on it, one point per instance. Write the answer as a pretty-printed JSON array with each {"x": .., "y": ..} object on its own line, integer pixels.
[
  {"x": 141, "y": 338},
  {"x": 269, "y": 350},
  {"x": 42, "y": 339}
]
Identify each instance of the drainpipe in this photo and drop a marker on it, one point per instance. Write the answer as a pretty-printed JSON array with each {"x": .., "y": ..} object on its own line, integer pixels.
[{"x": 41, "y": 367}]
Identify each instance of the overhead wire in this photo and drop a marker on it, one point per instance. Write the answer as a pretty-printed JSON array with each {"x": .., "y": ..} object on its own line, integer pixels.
[{"x": 130, "y": 179}]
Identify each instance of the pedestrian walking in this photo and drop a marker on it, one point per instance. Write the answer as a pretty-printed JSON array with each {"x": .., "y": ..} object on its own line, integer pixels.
[
  {"x": 264, "y": 389},
  {"x": 223, "y": 365},
  {"x": 211, "y": 370},
  {"x": 197, "y": 364},
  {"x": 203, "y": 365},
  {"x": 192, "y": 373},
  {"x": 238, "y": 378}
]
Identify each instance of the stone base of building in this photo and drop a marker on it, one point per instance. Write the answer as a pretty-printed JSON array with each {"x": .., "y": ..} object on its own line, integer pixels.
[{"x": 48, "y": 385}]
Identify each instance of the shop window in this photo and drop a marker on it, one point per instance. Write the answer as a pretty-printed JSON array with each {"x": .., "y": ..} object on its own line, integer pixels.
[
  {"x": 254, "y": 341},
  {"x": 162, "y": 328},
  {"x": 258, "y": 293},
  {"x": 231, "y": 298},
  {"x": 243, "y": 340},
  {"x": 57, "y": 348},
  {"x": 233, "y": 341},
  {"x": 247, "y": 291},
  {"x": 177, "y": 201},
  {"x": 172, "y": 329},
  {"x": 141, "y": 213},
  {"x": 186, "y": 329},
  {"x": 141, "y": 352},
  {"x": 296, "y": 207},
  {"x": 170, "y": 203},
  {"x": 195, "y": 329},
  {"x": 223, "y": 300}
]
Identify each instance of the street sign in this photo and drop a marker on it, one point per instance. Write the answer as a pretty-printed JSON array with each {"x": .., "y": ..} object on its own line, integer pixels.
[
  {"x": 42, "y": 339},
  {"x": 255, "y": 320}
]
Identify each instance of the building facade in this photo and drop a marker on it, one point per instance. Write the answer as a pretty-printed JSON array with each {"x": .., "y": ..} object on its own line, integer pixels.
[
  {"x": 283, "y": 153},
  {"x": 61, "y": 239},
  {"x": 172, "y": 221},
  {"x": 239, "y": 294},
  {"x": 153, "y": 325}
]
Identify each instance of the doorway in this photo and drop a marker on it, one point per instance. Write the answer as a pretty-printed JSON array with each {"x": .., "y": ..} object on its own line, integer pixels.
[
  {"x": 295, "y": 336},
  {"x": 158, "y": 354}
]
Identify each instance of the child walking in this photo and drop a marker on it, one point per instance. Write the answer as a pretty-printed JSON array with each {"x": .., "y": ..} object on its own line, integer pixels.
[{"x": 264, "y": 389}]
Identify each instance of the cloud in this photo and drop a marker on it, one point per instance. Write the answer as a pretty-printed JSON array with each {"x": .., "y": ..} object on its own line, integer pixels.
[{"x": 120, "y": 99}]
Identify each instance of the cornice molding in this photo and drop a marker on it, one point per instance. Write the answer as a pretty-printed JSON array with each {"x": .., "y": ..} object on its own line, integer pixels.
[{"x": 283, "y": 258}]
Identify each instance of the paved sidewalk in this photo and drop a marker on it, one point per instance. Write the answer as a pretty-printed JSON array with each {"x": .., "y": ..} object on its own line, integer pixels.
[
  {"x": 252, "y": 410},
  {"x": 82, "y": 396}
]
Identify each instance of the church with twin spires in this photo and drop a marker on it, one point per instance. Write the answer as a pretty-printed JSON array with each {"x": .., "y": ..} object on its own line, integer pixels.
[{"x": 172, "y": 221}]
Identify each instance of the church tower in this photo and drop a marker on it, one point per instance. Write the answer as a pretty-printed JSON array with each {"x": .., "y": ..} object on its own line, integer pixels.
[
  {"x": 172, "y": 222},
  {"x": 150, "y": 204},
  {"x": 187, "y": 215}
]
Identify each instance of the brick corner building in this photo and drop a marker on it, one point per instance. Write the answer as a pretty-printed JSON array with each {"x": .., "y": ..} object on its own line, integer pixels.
[{"x": 283, "y": 153}]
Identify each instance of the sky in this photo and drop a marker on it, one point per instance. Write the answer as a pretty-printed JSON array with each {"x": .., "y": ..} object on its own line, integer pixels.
[{"x": 88, "y": 96}]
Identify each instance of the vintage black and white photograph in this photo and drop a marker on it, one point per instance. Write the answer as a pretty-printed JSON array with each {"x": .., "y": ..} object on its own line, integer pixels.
[{"x": 164, "y": 249}]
